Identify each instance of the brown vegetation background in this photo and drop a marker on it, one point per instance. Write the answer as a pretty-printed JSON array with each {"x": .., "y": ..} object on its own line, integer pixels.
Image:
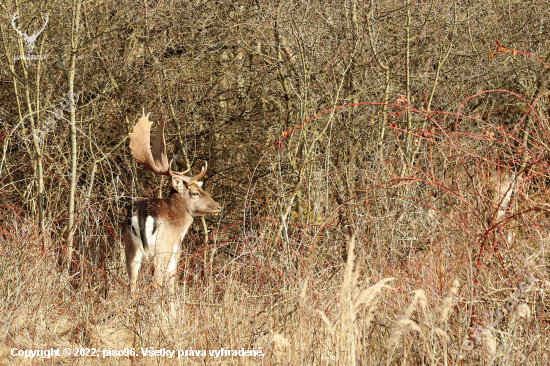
[{"x": 382, "y": 168}]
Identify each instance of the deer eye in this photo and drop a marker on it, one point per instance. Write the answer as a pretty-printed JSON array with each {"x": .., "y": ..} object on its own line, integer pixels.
[{"x": 195, "y": 194}]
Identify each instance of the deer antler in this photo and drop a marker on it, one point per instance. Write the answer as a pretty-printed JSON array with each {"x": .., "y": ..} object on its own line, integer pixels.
[
  {"x": 25, "y": 36},
  {"x": 13, "y": 19},
  {"x": 37, "y": 33},
  {"x": 201, "y": 174},
  {"x": 155, "y": 160}
]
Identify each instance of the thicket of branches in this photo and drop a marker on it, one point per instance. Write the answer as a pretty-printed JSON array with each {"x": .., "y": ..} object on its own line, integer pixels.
[{"x": 429, "y": 142}]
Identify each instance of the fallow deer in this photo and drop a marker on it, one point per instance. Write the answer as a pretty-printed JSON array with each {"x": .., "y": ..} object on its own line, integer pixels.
[{"x": 155, "y": 228}]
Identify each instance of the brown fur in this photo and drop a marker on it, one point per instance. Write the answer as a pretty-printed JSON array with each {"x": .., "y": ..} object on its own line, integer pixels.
[
  {"x": 172, "y": 217},
  {"x": 156, "y": 227}
]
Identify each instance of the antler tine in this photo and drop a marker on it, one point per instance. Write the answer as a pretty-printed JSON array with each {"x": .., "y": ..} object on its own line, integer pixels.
[
  {"x": 155, "y": 160},
  {"x": 190, "y": 180},
  {"x": 201, "y": 174},
  {"x": 44, "y": 26},
  {"x": 16, "y": 16},
  {"x": 178, "y": 174}
]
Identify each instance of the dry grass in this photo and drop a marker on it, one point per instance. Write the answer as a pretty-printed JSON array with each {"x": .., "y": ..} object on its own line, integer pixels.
[{"x": 348, "y": 313}]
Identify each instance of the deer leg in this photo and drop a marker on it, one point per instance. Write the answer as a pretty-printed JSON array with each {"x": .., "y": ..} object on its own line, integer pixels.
[
  {"x": 161, "y": 265},
  {"x": 133, "y": 263},
  {"x": 171, "y": 272}
]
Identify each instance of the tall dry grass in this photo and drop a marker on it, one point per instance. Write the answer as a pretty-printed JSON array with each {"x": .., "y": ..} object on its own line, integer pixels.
[{"x": 373, "y": 308}]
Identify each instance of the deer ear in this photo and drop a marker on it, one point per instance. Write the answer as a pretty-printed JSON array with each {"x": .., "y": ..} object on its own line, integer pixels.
[
  {"x": 178, "y": 184},
  {"x": 199, "y": 183}
]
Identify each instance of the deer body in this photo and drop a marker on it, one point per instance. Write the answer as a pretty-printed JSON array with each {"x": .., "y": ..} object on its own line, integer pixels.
[{"x": 155, "y": 228}]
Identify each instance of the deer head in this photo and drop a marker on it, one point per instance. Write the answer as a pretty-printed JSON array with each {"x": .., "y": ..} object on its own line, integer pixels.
[{"x": 156, "y": 161}]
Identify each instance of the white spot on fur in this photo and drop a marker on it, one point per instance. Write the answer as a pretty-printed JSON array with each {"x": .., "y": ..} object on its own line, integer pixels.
[
  {"x": 138, "y": 257},
  {"x": 135, "y": 225},
  {"x": 151, "y": 237},
  {"x": 134, "y": 222},
  {"x": 172, "y": 265}
]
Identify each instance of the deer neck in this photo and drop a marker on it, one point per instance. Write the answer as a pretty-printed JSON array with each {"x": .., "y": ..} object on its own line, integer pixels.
[{"x": 180, "y": 209}]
